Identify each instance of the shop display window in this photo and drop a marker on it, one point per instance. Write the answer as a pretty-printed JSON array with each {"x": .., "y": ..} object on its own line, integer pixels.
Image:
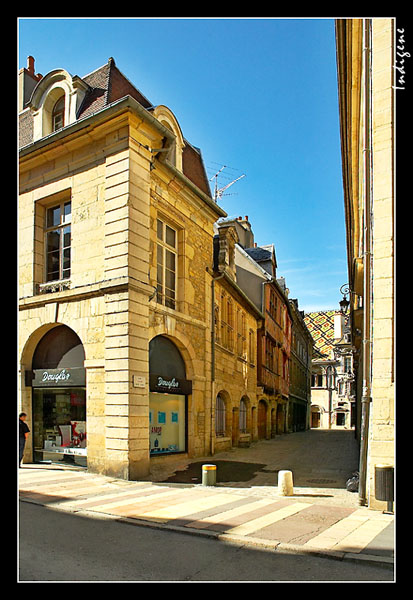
[
  {"x": 59, "y": 424},
  {"x": 167, "y": 423}
]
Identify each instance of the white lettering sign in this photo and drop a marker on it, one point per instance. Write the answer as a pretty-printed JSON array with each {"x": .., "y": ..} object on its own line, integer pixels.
[
  {"x": 63, "y": 375},
  {"x": 172, "y": 383}
]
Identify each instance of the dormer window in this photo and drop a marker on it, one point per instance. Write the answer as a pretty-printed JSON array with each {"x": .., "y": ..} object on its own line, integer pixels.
[
  {"x": 58, "y": 114},
  {"x": 55, "y": 102},
  {"x": 168, "y": 120}
]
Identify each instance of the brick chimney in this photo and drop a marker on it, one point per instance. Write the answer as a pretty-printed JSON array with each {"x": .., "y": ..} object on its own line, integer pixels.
[
  {"x": 30, "y": 65},
  {"x": 27, "y": 82}
]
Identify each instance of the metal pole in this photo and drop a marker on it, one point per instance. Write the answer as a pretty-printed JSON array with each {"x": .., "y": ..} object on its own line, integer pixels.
[{"x": 366, "y": 398}]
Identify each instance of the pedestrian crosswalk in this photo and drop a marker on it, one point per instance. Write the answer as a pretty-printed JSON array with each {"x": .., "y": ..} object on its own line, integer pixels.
[
  {"x": 211, "y": 509},
  {"x": 272, "y": 517}
]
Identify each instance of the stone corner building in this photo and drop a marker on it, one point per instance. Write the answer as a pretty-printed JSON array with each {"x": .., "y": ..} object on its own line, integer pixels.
[
  {"x": 367, "y": 80},
  {"x": 115, "y": 242}
]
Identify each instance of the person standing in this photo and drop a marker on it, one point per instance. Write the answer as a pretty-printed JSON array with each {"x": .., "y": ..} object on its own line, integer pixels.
[{"x": 23, "y": 435}]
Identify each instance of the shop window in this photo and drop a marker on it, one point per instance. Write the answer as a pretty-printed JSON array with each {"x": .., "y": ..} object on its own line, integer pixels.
[
  {"x": 166, "y": 263},
  {"x": 59, "y": 424},
  {"x": 58, "y": 241},
  {"x": 167, "y": 423},
  {"x": 167, "y": 398},
  {"x": 59, "y": 397}
]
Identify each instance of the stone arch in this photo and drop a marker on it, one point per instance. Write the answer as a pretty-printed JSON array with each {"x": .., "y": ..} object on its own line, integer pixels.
[
  {"x": 171, "y": 359},
  {"x": 184, "y": 346},
  {"x": 30, "y": 345},
  {"x": 60, "y": 347},
  {"x": 50, "y": 350}
]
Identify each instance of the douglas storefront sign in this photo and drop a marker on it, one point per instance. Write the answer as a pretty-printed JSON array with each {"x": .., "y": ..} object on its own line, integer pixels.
[
  {"x": 170, "y": 385},
  {"x": 67, "y": 377}
]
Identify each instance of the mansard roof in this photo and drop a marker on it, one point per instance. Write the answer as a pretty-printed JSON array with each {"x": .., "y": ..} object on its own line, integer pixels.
[{"x": 106, "y": 85}]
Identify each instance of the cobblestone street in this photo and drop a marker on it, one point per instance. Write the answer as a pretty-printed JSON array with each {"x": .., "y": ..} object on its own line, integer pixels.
[{"x": 321, "y": 461}]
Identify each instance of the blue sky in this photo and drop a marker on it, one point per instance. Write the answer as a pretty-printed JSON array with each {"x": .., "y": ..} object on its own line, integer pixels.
[{"x": 256, "y": 94}]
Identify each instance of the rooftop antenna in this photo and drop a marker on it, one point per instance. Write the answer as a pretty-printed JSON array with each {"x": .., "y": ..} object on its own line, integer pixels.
[{"x": 219, "y": 192}]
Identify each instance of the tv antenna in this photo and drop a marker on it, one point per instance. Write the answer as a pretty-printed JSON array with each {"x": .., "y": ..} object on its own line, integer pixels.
[{"x": 219, "y": 192}]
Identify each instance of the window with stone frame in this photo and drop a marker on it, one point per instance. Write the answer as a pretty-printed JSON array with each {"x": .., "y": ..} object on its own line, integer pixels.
[
  {"x": 243, "y": 416},
  {"x": 58, "y": 114},
  {"x": 226, "y": 338},
  {"x": 220, "y": 416},
  {"x": 58, "y": 241},
  {"x": 167, "y": 264},
  {"x": 241, "y": 334},
  {"x": 251, "y": 346}
]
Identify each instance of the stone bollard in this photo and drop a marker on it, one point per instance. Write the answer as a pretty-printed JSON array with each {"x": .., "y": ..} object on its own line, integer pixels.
[
  {"x": 285, "y": 483},
  {"x": 209, "y": 474}
]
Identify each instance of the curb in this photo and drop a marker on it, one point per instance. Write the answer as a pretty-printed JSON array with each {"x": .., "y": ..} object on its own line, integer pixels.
[{"x": 250, "y": 542}]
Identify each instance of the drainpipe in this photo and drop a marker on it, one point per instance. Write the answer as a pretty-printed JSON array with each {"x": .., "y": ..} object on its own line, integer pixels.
[
  {"x": 214, "y": 279},
  {"x": 367, "y": 258}
]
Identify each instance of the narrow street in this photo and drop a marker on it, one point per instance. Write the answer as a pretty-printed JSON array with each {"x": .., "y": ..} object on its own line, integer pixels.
[{"x": 320, "y": 460}]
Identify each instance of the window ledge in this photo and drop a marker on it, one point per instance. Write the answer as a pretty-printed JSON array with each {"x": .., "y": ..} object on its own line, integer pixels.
[{"x": 53, "y": 286}]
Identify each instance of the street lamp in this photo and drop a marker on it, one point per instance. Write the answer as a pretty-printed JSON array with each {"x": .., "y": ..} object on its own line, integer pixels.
[{"x": 344, "y": 303}]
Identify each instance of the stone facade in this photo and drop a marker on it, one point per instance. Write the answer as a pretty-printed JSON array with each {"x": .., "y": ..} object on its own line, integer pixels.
[
  {"x": 236, "y": 324},
  {"x": 367, "y": 96},
  {"x": 300, "y": 371},
  {"x": 332, "y": 378},
  {"x": 119, "y": 250},
  {"x": 119, "y": 187}
]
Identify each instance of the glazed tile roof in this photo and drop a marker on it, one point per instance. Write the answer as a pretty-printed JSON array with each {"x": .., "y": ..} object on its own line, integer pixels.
[{"x": 321, "y": 326}]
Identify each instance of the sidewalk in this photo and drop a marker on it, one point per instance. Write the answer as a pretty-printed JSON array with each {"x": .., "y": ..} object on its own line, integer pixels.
[{"x": 323, "y": 521}]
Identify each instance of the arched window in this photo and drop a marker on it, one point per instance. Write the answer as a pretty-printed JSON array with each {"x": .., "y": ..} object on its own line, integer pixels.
[
  {"x": 243, "y": 416},
  {"x": 220, "y": 416},
  {"x": 58, "y": 114}
]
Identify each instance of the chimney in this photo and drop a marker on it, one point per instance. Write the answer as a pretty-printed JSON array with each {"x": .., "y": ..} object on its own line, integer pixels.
[
  {"x": 27, "y": 82},
  {"x": 30, "y": 65}
]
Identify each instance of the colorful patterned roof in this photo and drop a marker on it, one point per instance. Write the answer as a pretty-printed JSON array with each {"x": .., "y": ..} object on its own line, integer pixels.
[{"x": 321, "y": 326}]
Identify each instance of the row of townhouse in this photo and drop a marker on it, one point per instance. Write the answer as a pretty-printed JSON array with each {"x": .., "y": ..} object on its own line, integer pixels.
[{"x": 150, "y": 324}]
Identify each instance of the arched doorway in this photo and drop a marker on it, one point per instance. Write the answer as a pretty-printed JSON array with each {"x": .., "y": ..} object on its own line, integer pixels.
[
  {"x": 168, "y": 398},
  {"x": 315, "y": 417},
  {"x": 58, "y": 383},
  {"x": 262, "y": 420},
  {"x": 280, "y": 419}
]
